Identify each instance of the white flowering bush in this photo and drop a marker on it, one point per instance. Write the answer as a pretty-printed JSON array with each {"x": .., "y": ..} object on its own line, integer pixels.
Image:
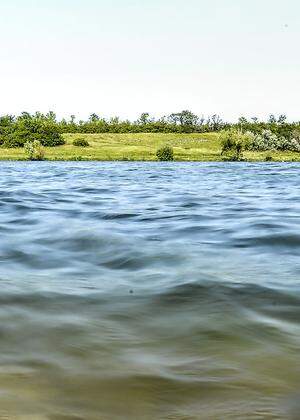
[
  {"x": 267, "y": 140},
  {"x": 34, "y": 150}
]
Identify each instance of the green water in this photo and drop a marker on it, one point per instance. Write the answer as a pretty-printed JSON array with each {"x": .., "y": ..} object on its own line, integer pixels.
[{"x": 149, "y": 291}]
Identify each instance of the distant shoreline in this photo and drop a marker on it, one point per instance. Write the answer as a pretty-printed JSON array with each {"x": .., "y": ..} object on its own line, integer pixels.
[{"x": 194, "y": 147}]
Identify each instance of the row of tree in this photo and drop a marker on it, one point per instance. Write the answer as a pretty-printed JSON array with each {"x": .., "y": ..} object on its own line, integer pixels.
[
  {"x": 181, "y": 122},
  {"x": 46, "y": 128}
]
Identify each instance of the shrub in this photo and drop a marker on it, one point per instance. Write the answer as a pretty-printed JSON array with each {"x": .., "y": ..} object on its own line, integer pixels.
[
  {"x": 227, "y": 144},
  {"x": 80, "y": 142},
  {"x": 268, "y": 158},
  {"x": 28, "y": 128},
  {"x": 267, "y": 140},
  {"x": 233, "y": 143},
  {"x": 34, "y": 150},
  {"x": 165, "y": 153},
  {"x": 48, "y": 134},
  {"x": 11, "y": 140}
]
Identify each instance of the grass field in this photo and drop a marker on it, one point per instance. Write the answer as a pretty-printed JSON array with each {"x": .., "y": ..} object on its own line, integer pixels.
[{"x": 143, "y": 146}]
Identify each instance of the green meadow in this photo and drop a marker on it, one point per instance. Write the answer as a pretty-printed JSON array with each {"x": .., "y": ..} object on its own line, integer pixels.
[{"x": 142, "y": 147}]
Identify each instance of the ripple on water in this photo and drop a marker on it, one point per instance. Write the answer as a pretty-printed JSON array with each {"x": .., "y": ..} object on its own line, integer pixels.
[{"x": 147, "y": 290}]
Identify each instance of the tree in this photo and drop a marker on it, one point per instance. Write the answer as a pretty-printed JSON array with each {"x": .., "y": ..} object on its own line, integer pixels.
[
  {"x": 29, "y": 128},
  {"x": 94, "y": 117},
  {"x": 51, "y": 116},
  {"x": 243, "y": 121},
  {"x": 144, "y": 118},
  {"x": 184, "y": 118},
  {"x": 24, "y": 115},
  {"x": 216, "y": 122},
  {"x": 281, "y": 119}
]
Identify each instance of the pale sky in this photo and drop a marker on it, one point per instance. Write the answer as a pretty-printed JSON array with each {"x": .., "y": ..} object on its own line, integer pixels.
[{"x": 124, "y": 57}]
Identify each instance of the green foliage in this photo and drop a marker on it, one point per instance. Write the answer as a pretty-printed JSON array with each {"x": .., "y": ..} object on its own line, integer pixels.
[
  {"x": 254, "y": 135},
  {"x": 12, "y": 140},
  {"x": 81, "y": 142},
  {"x": 143, "y": 146},
  {"x": 47, "y": 129},
  {"x": 228, "y": 143},
  {"x": 233, "y": 143},
  {"x": 15, "y": 132},
  {"x": 34, "y": 150},
  {"x": 6, "y": 123},
  {"x": 277, "y": 125},
  {"x": 165, "y": 153},
  {"x": 180, "y": 122},
  {"x": 267, "y": 140}
]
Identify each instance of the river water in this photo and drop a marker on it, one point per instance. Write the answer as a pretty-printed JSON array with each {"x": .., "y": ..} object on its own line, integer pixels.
[{"x": 149, "y": 291}]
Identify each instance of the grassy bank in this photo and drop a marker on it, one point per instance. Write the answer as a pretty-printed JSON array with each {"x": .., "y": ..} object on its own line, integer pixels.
[{"x": 187, "y": 147}]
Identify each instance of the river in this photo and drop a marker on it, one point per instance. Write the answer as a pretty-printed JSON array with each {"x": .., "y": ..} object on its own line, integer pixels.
[{"x": 149, "y": 290}]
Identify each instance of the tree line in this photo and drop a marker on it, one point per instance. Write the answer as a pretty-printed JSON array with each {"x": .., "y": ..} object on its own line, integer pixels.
[
  {"x": 181, "y": 122},
  {"x": 15, "y": 131}
]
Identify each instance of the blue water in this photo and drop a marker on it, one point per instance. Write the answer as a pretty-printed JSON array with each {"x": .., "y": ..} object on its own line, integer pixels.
[{"x": 149, "y": 290}]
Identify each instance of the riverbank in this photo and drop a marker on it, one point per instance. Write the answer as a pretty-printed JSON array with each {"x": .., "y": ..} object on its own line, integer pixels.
[{"x": 142, "y": 146}]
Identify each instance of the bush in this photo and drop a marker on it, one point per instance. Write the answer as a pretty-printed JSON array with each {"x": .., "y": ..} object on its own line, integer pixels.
[
  {"x": 233, "y": 143},
  {"x": 80, "y": 142},
  {"x": 34, "y": 150},
  {"x": 28, "y": 128},
  {"x": 267, "y": 140},
  {"x": 48, "y": 134},
  {"x": 165, "y": 153},
  {"x": 12, "y": 140}
]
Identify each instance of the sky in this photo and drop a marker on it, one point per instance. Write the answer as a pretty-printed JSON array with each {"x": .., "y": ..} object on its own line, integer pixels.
[{"x": 125, "y": 57}]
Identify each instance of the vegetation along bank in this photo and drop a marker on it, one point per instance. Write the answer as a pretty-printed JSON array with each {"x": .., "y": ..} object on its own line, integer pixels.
[{"x": 179, "y": 136}]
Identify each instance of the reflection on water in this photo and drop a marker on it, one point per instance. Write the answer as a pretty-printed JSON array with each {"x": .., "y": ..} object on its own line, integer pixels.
[{"x": 149, "y": 291}]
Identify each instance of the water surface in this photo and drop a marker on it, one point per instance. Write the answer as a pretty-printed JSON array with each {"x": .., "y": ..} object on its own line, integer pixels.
[{"x": 149, "y": 291}]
